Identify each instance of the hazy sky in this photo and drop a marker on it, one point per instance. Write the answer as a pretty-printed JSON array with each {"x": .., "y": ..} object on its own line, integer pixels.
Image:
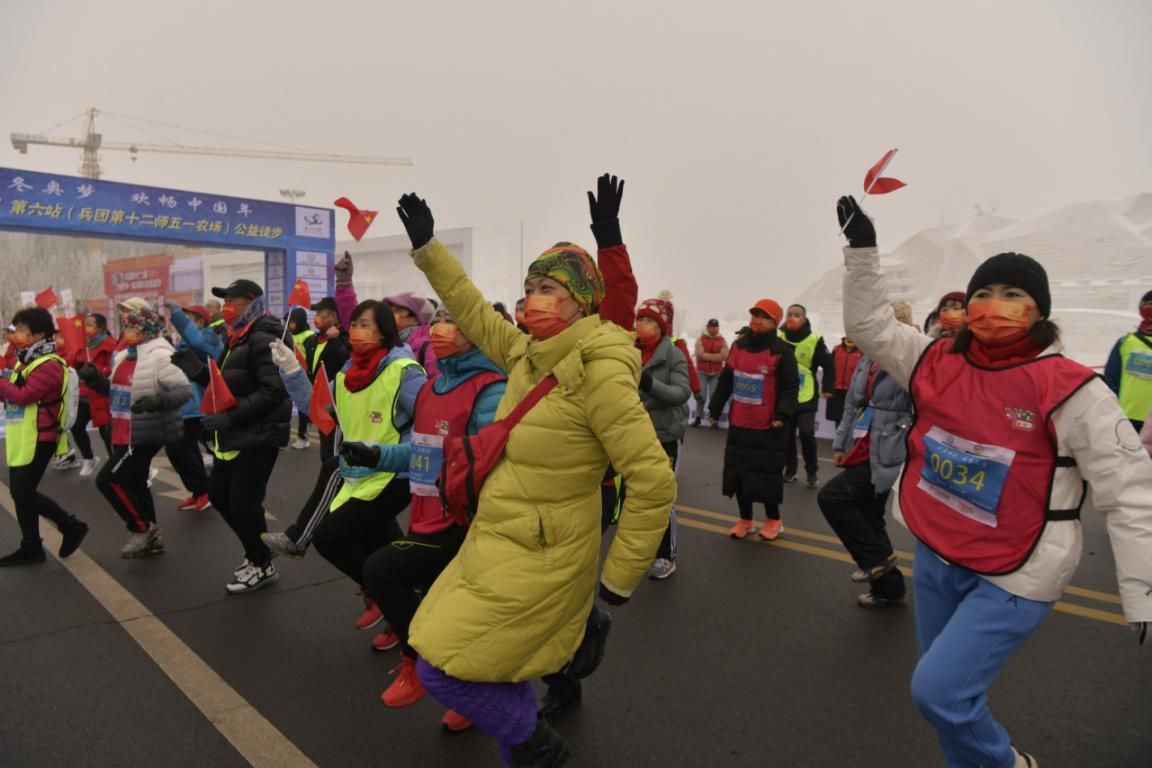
[{"x": 736, "y": 124}]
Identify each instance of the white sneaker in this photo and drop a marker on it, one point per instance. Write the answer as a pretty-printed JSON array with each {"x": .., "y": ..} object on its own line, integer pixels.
[
  {"x": 300, "y": 443},
  {"x": 251, "y": 578},
  {"x": 152, "y": 472},
  {"x": 88, "y": 466},
  {"x": 67, "y": 461},
  {"x": 143, "y": 544}
]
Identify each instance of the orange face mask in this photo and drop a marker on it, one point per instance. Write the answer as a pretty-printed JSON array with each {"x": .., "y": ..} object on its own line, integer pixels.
[
  {"x": 229, "y": 313},
  {"x": 996, "y": 323},
  {"x": 363, "y": 340},
  {"x": 446, "y": 339},
  {"x": 20, "y": 339},
  {"x": 794, "y": 323},
  {"x": 647, "y": 331},
  {"x": 542, "y": 316},
  {"x": 951, "y": 319}
]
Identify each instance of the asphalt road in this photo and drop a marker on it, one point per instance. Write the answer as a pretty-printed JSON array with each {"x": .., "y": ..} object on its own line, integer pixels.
[{"x": 750, "y": 655}]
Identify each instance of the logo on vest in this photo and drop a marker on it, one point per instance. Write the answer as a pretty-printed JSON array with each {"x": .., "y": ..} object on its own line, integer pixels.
[
  {"x": 376, "y": 417},
  {"x": 1021, "y": 418},
  {"x": 442, "y": 426},
  {"x": 764, "y": 369}
]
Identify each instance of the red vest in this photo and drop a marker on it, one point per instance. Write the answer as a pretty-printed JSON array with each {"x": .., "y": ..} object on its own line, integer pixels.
[
  {"x": 982, "y": 455},
  {"x": 845, "y": 361},
  {"x": 438, "y": 416},
  {"x": 753, "y": 388},
  {"x": 713, "y": 346}
]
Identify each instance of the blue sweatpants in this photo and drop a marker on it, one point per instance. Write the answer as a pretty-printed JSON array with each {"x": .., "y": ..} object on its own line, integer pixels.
[{"x": 967, "y": 629}]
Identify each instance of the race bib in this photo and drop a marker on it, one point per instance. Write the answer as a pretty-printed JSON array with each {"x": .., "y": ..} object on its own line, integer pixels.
[
  {"x": 966, "y": 477},
  {"x": 424, "y": 466},
  {"x": 748, "y": 388},
  {"x": 120, "y": 401},
  {"x": 13, "y": 413},
  {"x": 863, "y": 423},
  {"x": 1139, "y": 364}
]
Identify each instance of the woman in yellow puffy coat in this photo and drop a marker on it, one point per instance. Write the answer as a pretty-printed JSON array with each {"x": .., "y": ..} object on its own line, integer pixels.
[{"x": 513, "y": 604}]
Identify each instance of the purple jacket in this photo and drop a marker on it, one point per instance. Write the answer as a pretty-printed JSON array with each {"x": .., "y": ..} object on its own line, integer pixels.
[{"x": 346, "y": 301}]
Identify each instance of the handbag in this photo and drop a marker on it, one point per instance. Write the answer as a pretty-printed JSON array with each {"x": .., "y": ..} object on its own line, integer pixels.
[{"x": 469, "y": 458}]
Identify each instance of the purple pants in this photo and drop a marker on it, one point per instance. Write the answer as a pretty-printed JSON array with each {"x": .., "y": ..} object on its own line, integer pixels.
[{"x": 504, "y": 711}]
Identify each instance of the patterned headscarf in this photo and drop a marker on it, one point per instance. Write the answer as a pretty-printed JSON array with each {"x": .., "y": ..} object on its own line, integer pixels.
[
  {"x": 141, "y": 315},
  {"x": 571, "y": 266}
]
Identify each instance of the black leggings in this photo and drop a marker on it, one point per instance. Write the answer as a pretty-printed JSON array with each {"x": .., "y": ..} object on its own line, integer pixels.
[
  {"x": 350, "y": 534},
  {"x": 79, "y": 431},
  {"x": 187, "y": 460},
  {"x": 30, "y": 504}
]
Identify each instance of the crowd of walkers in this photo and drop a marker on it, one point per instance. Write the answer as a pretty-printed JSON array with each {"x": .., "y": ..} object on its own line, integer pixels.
[{"x": 977, "y": 432}]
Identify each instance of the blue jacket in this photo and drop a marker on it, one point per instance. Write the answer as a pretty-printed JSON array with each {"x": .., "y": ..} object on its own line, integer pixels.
[
  {"x": 205, "y": 344},
  {"x": 891, "y": 418}
]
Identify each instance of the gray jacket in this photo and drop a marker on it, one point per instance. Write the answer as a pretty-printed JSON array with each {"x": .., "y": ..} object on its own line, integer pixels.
[
  {"x": 891, "y": 418},
  {"x": 667, "y": 398}
]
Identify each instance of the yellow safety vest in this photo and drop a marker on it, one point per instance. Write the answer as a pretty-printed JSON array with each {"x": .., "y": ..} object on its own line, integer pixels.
[
  {"x": 299, "y": 338},
  {"x": 22, "y": 430},
  {"x": 805, "y": 352},
  {"x": 1135, "y": 378},
  {"x": 317, "y": 353},
  {"x": 369, "y": 416}
]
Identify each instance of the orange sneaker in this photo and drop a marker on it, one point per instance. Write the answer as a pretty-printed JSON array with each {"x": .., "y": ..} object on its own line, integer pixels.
[
  {"x": 386, "y": 640},
  {"x": 741, "y": 529},
  {"x": 406, "y": 689},
  {"x": 454, "y": 722},
  {"x": 371, "y": 616},
  {"x": 771, "y": 530}
]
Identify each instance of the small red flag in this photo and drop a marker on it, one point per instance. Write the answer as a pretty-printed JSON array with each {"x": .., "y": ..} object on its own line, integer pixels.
[
  {"x": 72, "y": 331},
  {"x": 217, "y": 397},
  {"x": 875, "y": 184},
  {"x": 318, "y": 412},
  {"x": 358, "y": 220},
  {"x": 301, "y": 295},
  {"x": 46, "y": 298}
]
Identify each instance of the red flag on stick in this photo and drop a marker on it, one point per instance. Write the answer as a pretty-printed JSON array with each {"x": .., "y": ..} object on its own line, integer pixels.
[
  {"x": 72, "y": 331},
  {"x": 46, "y": 298},
  {"x": 301, "y": 295},
  {"x": 875, "y": 184},
  {"x": 358, "y": 220},
  {"x": 318, "y": 406},
  {"x": 217, "y": 397}
]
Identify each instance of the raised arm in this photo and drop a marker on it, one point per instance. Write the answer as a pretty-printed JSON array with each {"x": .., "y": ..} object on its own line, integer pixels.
[{"x": 621, "y": 292}]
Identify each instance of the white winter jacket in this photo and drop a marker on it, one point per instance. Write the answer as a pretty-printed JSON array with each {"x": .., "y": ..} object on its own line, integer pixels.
[
  {"x": 156, "y": 375},
  {"x": 1090, "y": 428}
]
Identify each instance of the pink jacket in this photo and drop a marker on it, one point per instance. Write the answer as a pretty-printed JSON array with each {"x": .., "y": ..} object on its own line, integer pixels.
[{"x": 346, "y": 302}]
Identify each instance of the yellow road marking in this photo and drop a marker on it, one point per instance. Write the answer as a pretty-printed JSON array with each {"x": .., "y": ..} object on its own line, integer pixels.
[
  {"x": 1072, "y": 608},
  {"x": 261, "y": 743}
]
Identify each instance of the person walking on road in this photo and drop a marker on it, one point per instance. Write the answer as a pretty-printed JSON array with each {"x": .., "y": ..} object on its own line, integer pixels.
[
  {"x": 845, "y": 355},
  {"x": 1008, "y": 435},
  {"x": 1129, "y": 367},
  {"x": 811, "y": 354},
  {"x": 191, "y": 323},
  {"x": 711, "y": 351},
  {"x": 760, "y": 377},
  {"x": 93, "y": 406},
  {"x": 327, "y": 347}
]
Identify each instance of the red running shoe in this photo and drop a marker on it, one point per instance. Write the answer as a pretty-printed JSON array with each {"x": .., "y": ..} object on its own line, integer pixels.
[
  {"x": 187, "y": 504},
  {"x": 385, "y": 641},
  {"x": 454, "y": 722},
  {"x": 406, "y": 689},
  {"x": 371, "y": 616},
  {"x": 201, "y": 503}
]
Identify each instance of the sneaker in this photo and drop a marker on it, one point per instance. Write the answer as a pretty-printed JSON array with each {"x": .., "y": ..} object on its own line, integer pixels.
[
  {"x": 1024, "y": 760},
  {"x": 860, "y": 575},
  {"x": 812, "y": 480},
  {"x": 72, "y": 534},
  {"x": 741, "y": 529},
  {"x": 252, "y": 578},
  {"x": 88, "y": 466},
  {"x": 869, "y": 600},
  {"x": 142, "y": 544},
  {"x": 187, "y": 504},
  {"x": 371, "y": 616},
  {"x": 662, "y": 568},
  {"x": 385, "y": 641},
  {"x": 201, "y": 503},
  {"x": 406, "y": 689},
  {"x": 152, "y": 472},
  {"x": 300, "y": 443},
  {"x": 789, "y": 477},
  {"x": 771, "y": 530},
  {"x": 454, "y": 722},
  {"x": 23, "y": 556},
  {"x": 282, "y": 544},
  {"x": 67, "y": 461}
]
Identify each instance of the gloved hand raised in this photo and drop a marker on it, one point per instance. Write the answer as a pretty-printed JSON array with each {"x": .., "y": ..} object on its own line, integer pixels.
[
  {"x": 343, "y": 269},
  {"x": 360, "y": 455},
  {"x": 417, "y": 219},
  {"x": 604, "y": 207},
  {"x": 855, "y": 223},
  {"x": 284, "y": 357}
]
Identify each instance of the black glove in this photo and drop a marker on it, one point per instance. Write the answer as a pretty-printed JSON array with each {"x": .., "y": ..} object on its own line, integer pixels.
[
  {"x": 611, "y": 597},
  {"x": 645, "y": 381},
  {"x": 855, "y": 223},
  {"x": 216, "y": 422},
  {"x": 186, "y": 361},
  {"x": 604, "y": 206},
  {"x": 88, "y": 374},
  {"x": 360, "y": 455},
  {"x": 417, "y": 219},
  {"x": 146, "y": 404}
]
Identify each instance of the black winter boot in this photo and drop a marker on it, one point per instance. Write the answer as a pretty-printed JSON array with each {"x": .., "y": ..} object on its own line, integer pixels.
[
  {"x": 72, "y": 534},
  {"x": 543, "y": 749},
  {"x": 590, "y": 652},
  {"x": 26, "y": 555}
]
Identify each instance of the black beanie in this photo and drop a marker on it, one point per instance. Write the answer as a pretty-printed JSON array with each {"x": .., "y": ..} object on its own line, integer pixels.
[
  {"x": 1018, "y": 270},
  {"x": 1146, "y": 297}
]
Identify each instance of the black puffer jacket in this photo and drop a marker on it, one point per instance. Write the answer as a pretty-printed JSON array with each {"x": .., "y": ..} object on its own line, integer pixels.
[{"x": 263, "y": 411}]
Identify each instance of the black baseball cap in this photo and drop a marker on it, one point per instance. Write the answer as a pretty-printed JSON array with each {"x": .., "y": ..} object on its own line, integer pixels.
[
  {"x": 713, "y": 322},
  {"x": 325, "y": 303},
  {"x": 239, "y": 289}
]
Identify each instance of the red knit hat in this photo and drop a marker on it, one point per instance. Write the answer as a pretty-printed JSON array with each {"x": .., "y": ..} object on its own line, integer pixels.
[{"x": 658, "y": 310}]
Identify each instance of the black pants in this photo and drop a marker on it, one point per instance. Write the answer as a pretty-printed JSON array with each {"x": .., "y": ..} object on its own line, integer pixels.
[
  {"x": 667, "y": 549},
  {"x": 347, "y": 536},
  {"x": 398, "y": 571},
  {"x": 124, "y": 482},
  {"x": 328, "y": 484},
  {"x": 302, "y": 425},
  {"x": 804, "y": 423},
  {"x": 187, "y": 460},
  {"x": 236, "y": 488},
  {"x": 744, "y": 504},
  {"x": 79, "y": 431},
  {"x": 856, "y": 513},
  {"x": 327, "y": 445},
  {"x": 31, "y": 505}
]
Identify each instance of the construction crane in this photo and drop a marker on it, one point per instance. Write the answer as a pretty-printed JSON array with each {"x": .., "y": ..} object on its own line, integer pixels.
[{"x": 92, "y": 142}]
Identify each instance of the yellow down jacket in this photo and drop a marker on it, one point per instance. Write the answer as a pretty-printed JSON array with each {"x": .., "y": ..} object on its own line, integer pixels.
[{"x": 513, "y": 604}]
